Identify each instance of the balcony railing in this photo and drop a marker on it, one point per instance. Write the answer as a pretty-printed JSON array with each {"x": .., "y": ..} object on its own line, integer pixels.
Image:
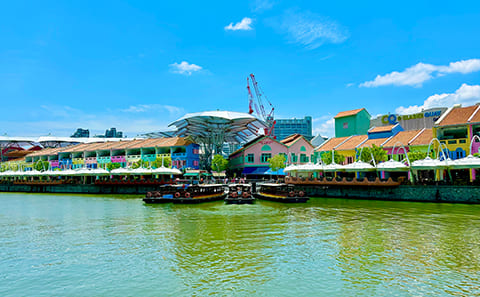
[{"x": 179, "y": 155}]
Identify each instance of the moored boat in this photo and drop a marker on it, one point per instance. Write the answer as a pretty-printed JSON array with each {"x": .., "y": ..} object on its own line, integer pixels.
[
  {"x": 239, "y": 194},
  {"x": 281, "y": 193},
  {"x": 186, "y": 194}
]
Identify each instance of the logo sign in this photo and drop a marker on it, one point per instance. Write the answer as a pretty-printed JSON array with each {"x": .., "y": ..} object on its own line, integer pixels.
[{"x": 392, "y": 119}]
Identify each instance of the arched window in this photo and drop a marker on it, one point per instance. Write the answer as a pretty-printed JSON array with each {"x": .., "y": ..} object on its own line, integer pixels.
[
  {"x": 303, "y": 149},
  {"x": 266, "y": 147}
]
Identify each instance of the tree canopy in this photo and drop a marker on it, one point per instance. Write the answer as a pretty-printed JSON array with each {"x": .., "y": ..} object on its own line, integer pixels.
[
  {"x": 379, "y": 154},
  {"x": 327, "y": 157},
  {"x": 219, "y": 163},
  {"x": 277, "y": 162}
]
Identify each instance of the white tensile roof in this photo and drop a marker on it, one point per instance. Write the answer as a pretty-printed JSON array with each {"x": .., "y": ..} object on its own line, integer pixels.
[{"x": 236, "y": 126}]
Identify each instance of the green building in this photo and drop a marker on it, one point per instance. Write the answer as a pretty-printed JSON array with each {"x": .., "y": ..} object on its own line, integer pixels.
[{"x": 352, "y": 122}]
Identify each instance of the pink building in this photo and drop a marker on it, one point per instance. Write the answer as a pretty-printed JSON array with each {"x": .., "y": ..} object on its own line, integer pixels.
[{"x": 252, "y": 158}]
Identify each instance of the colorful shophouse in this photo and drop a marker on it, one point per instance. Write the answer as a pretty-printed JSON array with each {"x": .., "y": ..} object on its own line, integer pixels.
[
  {"x": 183, "y": 152},
  {"x": 252, "y": 159}
]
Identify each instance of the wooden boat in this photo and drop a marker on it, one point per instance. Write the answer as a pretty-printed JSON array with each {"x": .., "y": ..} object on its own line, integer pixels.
[
  {"x": 281, "y": 193},
  {"x": 239, "y": 194},
  {"x": 182, "y": 193}
]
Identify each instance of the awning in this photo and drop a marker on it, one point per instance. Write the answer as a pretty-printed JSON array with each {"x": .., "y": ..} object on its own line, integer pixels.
[
  {"x": 278, "y": 172},
  {"x": 254, "y": 170},
  {"x": 191, "y": 174}
]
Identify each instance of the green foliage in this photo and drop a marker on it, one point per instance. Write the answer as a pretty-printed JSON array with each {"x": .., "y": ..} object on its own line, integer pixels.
[
  {"x": 111, "y": 166},
  {"x": 416, "y": 155},
  {"x": 277, "y": 162},
  {"x": 140, "y": 163},
  {"x": 379, "y": 154},
  {"x": 167, "y": 162},
  {"x": 327, "y": 157},
  {"x": 41, "y": 165},
  {"x": 219, "y": 163}
]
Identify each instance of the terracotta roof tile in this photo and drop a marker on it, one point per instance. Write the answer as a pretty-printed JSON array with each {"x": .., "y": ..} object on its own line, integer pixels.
[
  {"x": 370, "y": 142},
  {"x": 348, "y": 113},
  {"x": 423, "y": 138},
  {"x": 290, "y": 139},
  {"x": 476, "y": 117},
  {"x": 331, "y": 143},
  {"x": 352, "y": 143},
  {"x": 403, "y": 137},
  {"x": 457, "y": 116},
  {"x": 381, "y": 129}
]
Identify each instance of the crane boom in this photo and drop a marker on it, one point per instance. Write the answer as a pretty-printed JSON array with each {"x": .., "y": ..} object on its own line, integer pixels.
[{"x": 260, "y": 106}]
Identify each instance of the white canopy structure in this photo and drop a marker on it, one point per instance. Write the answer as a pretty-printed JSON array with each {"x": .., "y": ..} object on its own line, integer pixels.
[
  {"x": 392, "y": 166},
  {"x": 358, "y": 166},
  {"x": 333, "y": 167},
  {"x": 211, "y": 129}
]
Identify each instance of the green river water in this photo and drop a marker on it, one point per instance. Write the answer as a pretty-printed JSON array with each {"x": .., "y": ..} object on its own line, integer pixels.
[{"x": 74, "y": 245}]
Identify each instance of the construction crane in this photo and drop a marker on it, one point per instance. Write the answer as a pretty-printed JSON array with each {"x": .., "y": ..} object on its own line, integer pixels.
[{"x": 259, "y": 106}]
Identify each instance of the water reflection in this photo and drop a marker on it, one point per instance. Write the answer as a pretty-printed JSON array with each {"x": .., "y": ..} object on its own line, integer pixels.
[{"x": 86, "y": 245}]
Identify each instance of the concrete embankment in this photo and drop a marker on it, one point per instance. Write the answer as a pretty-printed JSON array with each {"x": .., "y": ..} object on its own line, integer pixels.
[
  {"x": 430, "y": 193},
  {"x": 80, "y": 189}
]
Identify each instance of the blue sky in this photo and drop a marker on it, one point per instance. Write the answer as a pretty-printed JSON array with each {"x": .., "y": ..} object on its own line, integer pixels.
[{"x": 139, "y": 65}]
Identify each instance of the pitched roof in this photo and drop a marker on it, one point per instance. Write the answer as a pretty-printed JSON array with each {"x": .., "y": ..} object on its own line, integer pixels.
[
  {"x": 381, "y": 129},
  {"x": 290, "y": 140},
  {"x": 246, "y": 145},
  {"x": 475, "y": 118},
  {"x": 458, "y": 116},
  {"x": 403, "y": 137},
  {"x": 351, "y": 143},
  {"x": 423, "y": 138},
  {"x": 46, "y": 152},
  {"x": 376, "y": 141},
  {"x": 348, "y": 113},
  {"x": 331, "y": 143}
]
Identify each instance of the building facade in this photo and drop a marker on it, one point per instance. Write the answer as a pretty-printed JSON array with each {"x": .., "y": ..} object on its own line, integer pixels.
[
  {"x": 352, "y": 122},
  {"x": 253, "y": 158},
  {"x": 182, "y": 151},
  {"x": 286, "y": 127},
  {"x": 425, "y": 119}
]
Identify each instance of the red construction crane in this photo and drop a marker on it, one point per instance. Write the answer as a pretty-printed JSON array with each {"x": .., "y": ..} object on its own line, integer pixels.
[{"x": 259, "y": 105}]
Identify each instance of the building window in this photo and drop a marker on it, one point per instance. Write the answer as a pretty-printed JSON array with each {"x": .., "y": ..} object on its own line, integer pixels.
[
  {"x": 345, "y": 125},
  {"x": 349, "y": 160},
  {"x": 250, "y": 158},
  {"x": 265, "y": 157},
  {"x": 303, "y": 158},
  {"x": 293, "y": 158},
  {"x": 303, "y": 149}
]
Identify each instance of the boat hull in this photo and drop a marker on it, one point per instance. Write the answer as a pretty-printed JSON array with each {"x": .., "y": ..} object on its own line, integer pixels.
[
  {"x": 153, "y": 200},
  {"x": 183, "y": 200},
  {"x": 281, "y": 199},
  {"x": 239, "y": 200}
]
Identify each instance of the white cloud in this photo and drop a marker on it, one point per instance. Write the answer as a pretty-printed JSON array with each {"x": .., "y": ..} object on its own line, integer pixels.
[
  {"x": 324, "y": 126},
  {"x": 465, "y": 95},
  {"x": 312, "y": 30},
  {"x": 244, "y": 24},
  {"x": 185, "y": 68},
  {"x": 421, "y": 72},
  {"x": 153, "y": 107},
  {"x": 262, "y": 5}
]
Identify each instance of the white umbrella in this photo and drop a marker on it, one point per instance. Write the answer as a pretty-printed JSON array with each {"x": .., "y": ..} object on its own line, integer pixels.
[
  {"x": 468, "y": 162},
  {"x": 359, "y": 166},
  {"x": 141, "y": 171},
  {"x": 162, "y": 170},
  {"x": 333, "y": 167},
  {"x": 392, "y": 165},
  {"x": 429, "y": 163},
  {"x": 99, "y": 171},
  {"x": 309, "y": 167},
  {"x": 175, "y": 171},
  {"x": 121, "y": 171},
  {"x": 290, "y": 168}
]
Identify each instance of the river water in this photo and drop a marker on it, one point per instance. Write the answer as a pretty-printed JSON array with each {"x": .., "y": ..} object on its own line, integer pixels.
[{"x": 74, "y": 245}]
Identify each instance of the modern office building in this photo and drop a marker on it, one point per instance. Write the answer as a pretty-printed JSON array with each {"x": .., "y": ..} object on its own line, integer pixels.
[
  {"x": 286, "y": 127},
  {"x": 80, "y": 133}
]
